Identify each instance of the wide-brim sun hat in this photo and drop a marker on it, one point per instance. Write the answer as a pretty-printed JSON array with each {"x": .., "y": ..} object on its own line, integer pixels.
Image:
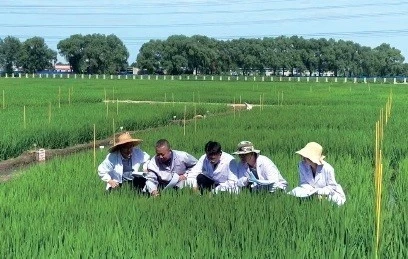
[
  {"x": 122, "y": 139},
  {"x": 312, "y": 151},
  {"x": 246, "y": 147}
]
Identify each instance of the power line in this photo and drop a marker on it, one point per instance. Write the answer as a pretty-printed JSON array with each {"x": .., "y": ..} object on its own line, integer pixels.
[
  {"x": 207, "y": 24},
  {"x": 228, "y": 11},
  {"x": 173, "y": 4}
]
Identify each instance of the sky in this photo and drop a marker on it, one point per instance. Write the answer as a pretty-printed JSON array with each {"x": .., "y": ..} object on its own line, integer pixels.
[{"x": 367, "y": 22}]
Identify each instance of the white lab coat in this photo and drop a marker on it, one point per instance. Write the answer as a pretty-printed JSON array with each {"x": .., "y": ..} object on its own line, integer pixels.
[
  {"x": 204, "y": 166},
  {"x": 112, "y": 168},
  {"x": 324, "y": 183},
  {"x": 269, "y": 176},
  {"x": 181, "y": 163}
]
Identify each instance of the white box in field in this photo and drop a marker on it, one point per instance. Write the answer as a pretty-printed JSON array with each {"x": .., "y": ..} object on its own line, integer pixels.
[{"x": 40, "y": 155}]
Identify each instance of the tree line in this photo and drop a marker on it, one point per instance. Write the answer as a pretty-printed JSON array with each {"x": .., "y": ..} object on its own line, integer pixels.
[
  {"x": 92, "y": 54},
  {"x": 179, "y": 54}
]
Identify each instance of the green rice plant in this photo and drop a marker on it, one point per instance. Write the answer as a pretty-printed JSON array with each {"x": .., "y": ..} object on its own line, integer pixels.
[{"x": 59, "y": 208}]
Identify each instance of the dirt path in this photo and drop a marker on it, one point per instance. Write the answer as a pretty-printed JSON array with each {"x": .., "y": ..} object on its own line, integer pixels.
[
  {"x": 29, "y": 158},
  {"x": 236, "y": 105},
  {"x": 13, "y": 166}
]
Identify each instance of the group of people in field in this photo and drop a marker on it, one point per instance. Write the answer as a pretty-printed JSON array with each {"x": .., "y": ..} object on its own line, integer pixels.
[{"x": 215, "y": 171}]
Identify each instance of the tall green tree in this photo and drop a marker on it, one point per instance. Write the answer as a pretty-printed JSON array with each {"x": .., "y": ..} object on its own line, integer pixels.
[
  {"x": 175, "y": 55},
  {"x": 10, "y": 49},
  {"x": 283, "y": 52},
  {"x": 150, "y": 57},
  {"x": 269, "y": 57},
  {"x": 295, "y": 52},
  {"x": 72, "y": 49},
  {"x": 94, "y": 53},
  {"x": 202, "y": 54},
  {"x": 36, "y": 56},
  {"x": 390, "y": 60},
  {"x": 224, "y": 63}
]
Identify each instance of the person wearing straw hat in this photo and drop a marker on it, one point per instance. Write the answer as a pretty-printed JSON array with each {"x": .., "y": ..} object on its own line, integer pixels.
[
  {"x": 316, "y": 176},
  {"x": 256, "y": 171},
  {"x": 123, "y": 162},
  {"x": 212, "y": 170},
  {"x": 168, "y": 168}
]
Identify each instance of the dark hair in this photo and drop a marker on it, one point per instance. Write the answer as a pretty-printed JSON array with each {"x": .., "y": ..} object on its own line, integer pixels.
[
  {"x": 212, "y": 148},
  {"x": 162, "y": 142}
]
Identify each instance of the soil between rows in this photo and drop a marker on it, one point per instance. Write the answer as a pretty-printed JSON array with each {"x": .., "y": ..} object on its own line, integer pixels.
[{"x": 13, "y": 166}]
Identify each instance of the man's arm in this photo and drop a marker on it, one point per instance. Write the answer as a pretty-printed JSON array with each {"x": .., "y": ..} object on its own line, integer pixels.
[{"x": 105, "y": 168}]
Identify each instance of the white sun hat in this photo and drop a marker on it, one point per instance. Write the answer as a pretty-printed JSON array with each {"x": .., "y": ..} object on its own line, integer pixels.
[{"x": 312, "y": 151}]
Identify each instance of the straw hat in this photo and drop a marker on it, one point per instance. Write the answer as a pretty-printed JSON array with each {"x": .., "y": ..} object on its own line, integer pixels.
[
  {"x": 313, "y": 151},
  {"x": 124, "y": 138},
  {"x": 245, "y": 147}
]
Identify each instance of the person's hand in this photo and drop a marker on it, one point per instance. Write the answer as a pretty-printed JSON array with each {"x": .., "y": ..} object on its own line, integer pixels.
[
  {"x": 155, "y": 193},
  {"x": 324, "y": 191},
  {"x": 113, "y": 183},
  {"x": 182, "y": 177}
]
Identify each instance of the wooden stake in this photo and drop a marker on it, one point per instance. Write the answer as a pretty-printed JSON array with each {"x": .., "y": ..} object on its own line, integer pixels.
[
  {"x": 113, "y": 130},
  {"x": 381, "y": 127},
  {"x": 378, "y": 207},
  {"x": 263, "y": 101},
  {"x": 105, "y": 95},
  {"x": 234, "y": 107}
]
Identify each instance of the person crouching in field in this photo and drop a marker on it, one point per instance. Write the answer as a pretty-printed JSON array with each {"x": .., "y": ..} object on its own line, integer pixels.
[
  {"x": 123, "y": 162},
  {"x": 212, "y": 169},
  {"x": 168, "y": 168},
  {"x": 256, "y": 171},
  {"x": 316, "y": 176}
]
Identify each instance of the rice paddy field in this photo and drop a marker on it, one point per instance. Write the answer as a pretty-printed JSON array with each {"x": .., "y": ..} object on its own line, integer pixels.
[{"x": 59, "y": 209}]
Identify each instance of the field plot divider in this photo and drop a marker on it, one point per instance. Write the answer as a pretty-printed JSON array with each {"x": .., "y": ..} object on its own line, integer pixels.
[{"x": 378, "y": 172}]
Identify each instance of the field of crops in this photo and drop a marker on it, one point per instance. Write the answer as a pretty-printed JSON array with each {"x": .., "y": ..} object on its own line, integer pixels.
[{"x": 59, "y": 208}]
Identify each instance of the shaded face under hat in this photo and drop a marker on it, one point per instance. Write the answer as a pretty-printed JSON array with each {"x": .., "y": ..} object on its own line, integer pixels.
[
  {"x": 246, "y": 147},
  {"x": 312, "y": 151},
  {"x": 122, "y": 139}
]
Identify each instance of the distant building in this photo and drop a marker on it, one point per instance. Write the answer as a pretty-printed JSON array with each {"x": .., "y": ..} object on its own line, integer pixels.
[
  {"x": 59, "y": 67},
  {"x": 135, "y": 70}
]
